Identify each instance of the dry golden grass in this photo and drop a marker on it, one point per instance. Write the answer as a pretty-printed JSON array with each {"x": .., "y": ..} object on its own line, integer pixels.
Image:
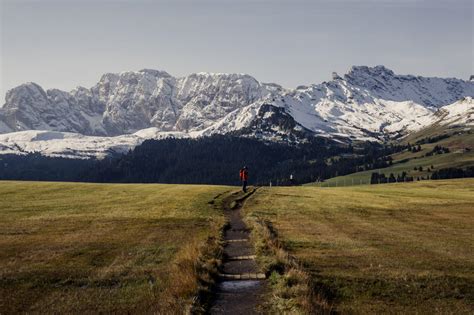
[
  {"x": 290, "y": 285},
  {"x": 397, "y": 248},
  {"x": 70, "y": 247}
]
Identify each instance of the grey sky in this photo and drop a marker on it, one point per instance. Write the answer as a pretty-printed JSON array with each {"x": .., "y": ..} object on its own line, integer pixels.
[{"x": 63, "y": 44}]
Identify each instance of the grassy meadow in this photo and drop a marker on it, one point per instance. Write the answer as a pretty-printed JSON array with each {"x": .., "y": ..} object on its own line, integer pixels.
[
  {"x": 133, "y": 248},
  {"x": 394, "y": 248},
  {"x": 72, "y": 247}
]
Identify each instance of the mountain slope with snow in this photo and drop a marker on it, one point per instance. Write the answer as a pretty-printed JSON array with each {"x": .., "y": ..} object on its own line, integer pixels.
[
  {"x": 270, "y": 123},
  {"x": 130, "y": 101},
  {"x": 367, "y": 103},
  {"x": 74, "y": 145}
]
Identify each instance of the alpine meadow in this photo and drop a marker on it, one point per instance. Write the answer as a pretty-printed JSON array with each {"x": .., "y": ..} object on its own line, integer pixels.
[{"x": 237, "y": 157}]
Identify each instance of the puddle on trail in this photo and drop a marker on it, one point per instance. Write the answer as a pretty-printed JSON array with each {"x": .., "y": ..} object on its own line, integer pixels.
[{"x": 237, "y": 285}]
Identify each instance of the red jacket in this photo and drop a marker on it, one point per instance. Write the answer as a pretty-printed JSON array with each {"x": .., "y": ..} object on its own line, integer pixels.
[{"x": 244, "y": 174}]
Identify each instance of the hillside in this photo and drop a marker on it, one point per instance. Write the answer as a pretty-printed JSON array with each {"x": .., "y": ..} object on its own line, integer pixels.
[{"x": 459, "y": 140}]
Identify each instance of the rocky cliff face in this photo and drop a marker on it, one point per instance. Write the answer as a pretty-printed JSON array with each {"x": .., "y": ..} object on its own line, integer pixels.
[{"x": 130, "y": 101}]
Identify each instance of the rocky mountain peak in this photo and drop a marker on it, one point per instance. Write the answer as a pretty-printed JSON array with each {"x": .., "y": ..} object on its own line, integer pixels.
[
  {"x": 26, "y": 89},
  {"x": 156, "y": 73},
  {"x": 374, "y": 72}
]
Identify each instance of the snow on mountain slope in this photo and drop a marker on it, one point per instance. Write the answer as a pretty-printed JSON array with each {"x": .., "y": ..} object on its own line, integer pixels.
[
  {"x": 74, "y": 145},
  {"x": 372, "y": 101},
  {"x": 460, "y": 113},
  {"x": 259, "y": 120},
  {"x": 368, "y": 103},
  {"x": 384, "y": 84}
]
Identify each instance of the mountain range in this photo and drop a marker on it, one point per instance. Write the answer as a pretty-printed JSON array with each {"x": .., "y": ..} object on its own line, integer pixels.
[{"x": 124, "y": 109}]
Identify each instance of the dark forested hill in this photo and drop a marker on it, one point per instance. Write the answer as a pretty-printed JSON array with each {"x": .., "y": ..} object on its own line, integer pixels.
[
  {"x": 35, "y": 166},
  {"x": 210, "y": 160},
  {"x": 217, "y": 160}
]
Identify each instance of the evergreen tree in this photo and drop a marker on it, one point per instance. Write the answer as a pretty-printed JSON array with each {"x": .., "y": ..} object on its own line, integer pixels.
[{"x": 391, "y": 178}]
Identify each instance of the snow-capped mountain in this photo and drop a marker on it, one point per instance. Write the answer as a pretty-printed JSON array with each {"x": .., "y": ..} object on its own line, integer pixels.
[
  {"x": 130, "y": 101},
  {"x": 121, "y": 110}
]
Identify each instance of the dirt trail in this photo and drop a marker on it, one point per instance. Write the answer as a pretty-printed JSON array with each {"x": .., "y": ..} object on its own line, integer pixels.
[{"x": 241, "y": 282}]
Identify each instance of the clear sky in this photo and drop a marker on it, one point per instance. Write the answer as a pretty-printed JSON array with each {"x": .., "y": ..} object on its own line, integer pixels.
[{"x": 63, "y": 44}]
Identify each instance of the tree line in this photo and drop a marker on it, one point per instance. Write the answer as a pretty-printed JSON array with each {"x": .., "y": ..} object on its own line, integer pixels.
[
  {"x": 217, "y": 159},
  {"x": 453, "y": 172},
  {"x": 208, "y": 160},
  {"x": 445, "y": 173}
]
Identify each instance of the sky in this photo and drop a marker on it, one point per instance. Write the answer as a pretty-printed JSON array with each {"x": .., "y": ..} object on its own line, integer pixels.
[{"x": 69, "y": 43}]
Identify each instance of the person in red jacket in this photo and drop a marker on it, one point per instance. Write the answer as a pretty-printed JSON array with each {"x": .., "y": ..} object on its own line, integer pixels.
[{"x": 244, "y": 176}]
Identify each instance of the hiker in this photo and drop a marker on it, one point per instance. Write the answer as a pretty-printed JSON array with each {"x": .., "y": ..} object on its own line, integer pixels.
[{"x": 244, "y": 176}]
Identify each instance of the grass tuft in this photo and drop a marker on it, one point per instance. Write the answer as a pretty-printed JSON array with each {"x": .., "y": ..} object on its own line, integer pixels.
[{"x": 291, "y": 288}]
